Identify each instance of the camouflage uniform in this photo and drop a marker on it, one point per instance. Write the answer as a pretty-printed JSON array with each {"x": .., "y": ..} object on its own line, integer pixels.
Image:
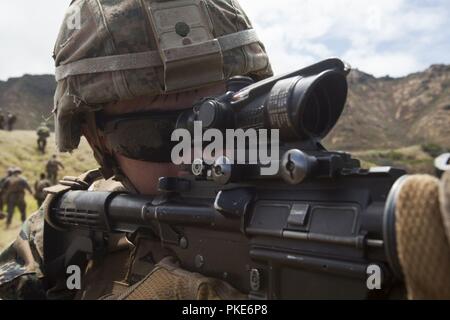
[
  {"x": 15, "y": 187},
  {"x": 220, "y": 43},
  {"x": 2, "y": 193},
  {"x": 43, "y": 132},
  {"x": 2, "y": 121},
  {"x": 11, "y": 121},
  {"x": 39, "y": 193},
  {"x": 52, "y": 169},
  {"x": 3, "y": 189},
  {"x": 20, "y": 269}
]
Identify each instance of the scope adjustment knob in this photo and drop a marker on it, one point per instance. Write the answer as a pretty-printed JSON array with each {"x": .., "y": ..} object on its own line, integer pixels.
[
  {"x": 222, "y": 170},
  {"x": 296, "y": 166}
]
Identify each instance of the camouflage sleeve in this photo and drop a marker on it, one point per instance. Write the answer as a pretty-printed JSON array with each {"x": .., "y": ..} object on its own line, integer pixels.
[
  {"x": 26, "y": 185},
  {"x": 20, "y": 264}
]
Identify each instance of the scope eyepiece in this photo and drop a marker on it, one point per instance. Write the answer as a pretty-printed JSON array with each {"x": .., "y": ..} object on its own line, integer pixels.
[
  {"x": 303, "y": 105},
  {"x": 306, "y": 107}
]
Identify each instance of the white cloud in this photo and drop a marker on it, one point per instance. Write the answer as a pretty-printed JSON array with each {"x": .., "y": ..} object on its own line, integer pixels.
[{"x": 382, "y": 37}]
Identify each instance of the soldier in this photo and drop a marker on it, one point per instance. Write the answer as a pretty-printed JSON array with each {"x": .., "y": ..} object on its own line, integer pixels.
[
  {"x": 43, "y": 132},
  {"x": 15, "y": 187},
  {"x": 3, "y": 189},
  {"x": 134, "y": 147},
  {"x": 39, "y": 187},
  {"x": 52, "y": 167},
  {"x": 2, "y": 120},
  {"x": 10, "y": 121}
]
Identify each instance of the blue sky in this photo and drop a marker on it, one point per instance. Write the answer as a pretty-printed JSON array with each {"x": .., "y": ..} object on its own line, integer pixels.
[{"x": 382, "y": 37}]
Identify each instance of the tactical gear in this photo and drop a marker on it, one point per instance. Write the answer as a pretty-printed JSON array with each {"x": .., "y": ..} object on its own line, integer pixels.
[
  {"x": 16, "y": 184},
  {"x": 20, "y": 264},
  {"x": 147, "y": 48},
  {"x": 43, "y": 131}
]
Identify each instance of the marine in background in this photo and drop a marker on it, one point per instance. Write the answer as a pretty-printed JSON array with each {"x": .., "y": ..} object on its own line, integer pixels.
[
  {"x": 15, "y": 187},
  {"x": 2, "y": 120},
  {"x": 39, "y": 189},
  {"x": 2, "y": 189},
  {"x": 52, "y": 168},
  {"x": 43, "y": 133},
  {"x": 11, "y": 120}
]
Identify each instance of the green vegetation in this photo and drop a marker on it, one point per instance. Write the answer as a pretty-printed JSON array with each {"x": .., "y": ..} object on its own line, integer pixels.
[
  {"x": 19, "y": 149},
  {"x": 413, "y": 159},
  {"x": 434, "y": 150}
]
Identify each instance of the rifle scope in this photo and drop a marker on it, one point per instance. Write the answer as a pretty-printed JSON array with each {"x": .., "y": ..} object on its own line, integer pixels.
[{"x": 303, "y": 105}]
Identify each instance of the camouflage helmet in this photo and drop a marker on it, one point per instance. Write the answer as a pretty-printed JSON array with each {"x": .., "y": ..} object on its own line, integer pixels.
[
  {"x": 108, "y": 51},
  {"x": 17, "y": 170}
]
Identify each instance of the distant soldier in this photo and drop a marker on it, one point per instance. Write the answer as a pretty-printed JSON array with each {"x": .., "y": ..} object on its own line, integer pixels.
[
  {"x": 43, "y": 132},
  {"x": 39, "y": 187},
  {"x": 15, "y": 187},
  {"x": 2, "y": 120},
  {"x": 53, "y": 166},
  {"x": 10, "y": 121},
  {"x": 3, "y": 189}
]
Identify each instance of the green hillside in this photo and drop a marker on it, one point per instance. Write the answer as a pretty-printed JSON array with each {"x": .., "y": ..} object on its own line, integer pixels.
[{"x": 19, "y": 149}]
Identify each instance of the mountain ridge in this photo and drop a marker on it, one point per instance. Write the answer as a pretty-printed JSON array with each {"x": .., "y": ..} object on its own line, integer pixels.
[{"x": 381, "y": 112}]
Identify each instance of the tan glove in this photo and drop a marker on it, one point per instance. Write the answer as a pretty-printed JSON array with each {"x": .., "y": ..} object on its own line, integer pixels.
[
  {"x": 444, "y": 199},
  {"x": 422, "y": 231},
  {"x": 168, "y": 282}
]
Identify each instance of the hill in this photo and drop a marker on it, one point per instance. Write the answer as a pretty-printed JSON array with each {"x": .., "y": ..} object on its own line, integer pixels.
[
  {"x": 380, "y": 113},
  {"x": 393, "y": 113},
  {"x": 29, "y": 97}
]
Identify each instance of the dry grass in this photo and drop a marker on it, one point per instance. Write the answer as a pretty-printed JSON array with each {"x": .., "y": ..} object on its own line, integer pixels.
[
  {"x": 19, "y": 148},
  {"x": 413, "y": 159}
]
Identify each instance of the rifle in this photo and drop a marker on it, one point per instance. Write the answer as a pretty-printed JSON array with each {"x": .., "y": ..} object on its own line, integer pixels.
[{"x": 311, "y": 232}]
